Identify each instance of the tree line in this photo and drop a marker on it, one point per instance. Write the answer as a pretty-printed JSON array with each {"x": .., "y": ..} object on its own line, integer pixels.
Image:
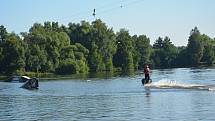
[{"x": 94, "y": 47}]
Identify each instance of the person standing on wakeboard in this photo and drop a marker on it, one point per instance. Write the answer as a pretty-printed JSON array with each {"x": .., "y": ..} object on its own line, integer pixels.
[{"x": 146, "y": 72}]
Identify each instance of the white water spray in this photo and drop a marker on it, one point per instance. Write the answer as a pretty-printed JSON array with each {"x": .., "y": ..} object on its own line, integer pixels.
[{"x": 172, "y": 84}]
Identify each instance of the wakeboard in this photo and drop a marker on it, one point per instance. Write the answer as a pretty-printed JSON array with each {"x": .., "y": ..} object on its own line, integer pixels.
[{"x": 144, "y": 81}]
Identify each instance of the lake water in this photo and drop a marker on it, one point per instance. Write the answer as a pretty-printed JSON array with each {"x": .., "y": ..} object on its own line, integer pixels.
[{"x": 181, "y": 94}]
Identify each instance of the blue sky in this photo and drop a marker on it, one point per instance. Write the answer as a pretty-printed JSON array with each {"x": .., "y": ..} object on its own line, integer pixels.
[{"x": 154, "y": 18}]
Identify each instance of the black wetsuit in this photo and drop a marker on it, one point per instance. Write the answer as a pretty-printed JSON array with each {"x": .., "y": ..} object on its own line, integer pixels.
[{"x": 147, "y": 77}]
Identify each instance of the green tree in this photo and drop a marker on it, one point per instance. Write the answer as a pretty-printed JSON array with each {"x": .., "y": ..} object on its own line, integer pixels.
[
  {"x": 164, "y": 53},
  {"x": 124, "y": 56},
  {"x": 81, "y": 55},
  {"x": 3, "y": 34},
  {"x": 50, "y": 40},
  {"x": 73, "y": 56},
  {"x": 209, "y": 50},
  {"x": 171, "y": 52},
  {"x": 142, "y": 51},
  {"x": 95, "y": 59},
  {"x": 98, "y": 39},
  {"x": 181, "y": 59},
  {"x": 194, "y": 47},
  {"x": 67, "y": 67},
  {"x": 80, "y": 33},
  {"x": 13, "y": 51},
  {"x": 158, "y": 43},
  {"x": 105, "y": 40},
  {"x": 36, "y": 59}
]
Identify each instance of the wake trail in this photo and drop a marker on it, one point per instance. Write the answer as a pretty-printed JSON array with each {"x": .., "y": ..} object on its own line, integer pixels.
[{"x": 171, "y": 84}]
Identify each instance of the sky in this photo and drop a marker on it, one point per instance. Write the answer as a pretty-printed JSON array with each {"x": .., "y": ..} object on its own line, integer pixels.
[{"x": 153, "y": 18}]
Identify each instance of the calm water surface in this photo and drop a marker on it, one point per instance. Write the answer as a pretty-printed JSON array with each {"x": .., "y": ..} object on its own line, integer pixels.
[{"x": 121, "y": 98}]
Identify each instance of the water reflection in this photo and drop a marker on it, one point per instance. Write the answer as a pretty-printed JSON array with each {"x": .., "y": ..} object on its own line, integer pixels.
[
  {"x": 148, "y": 92},
  {"x": 86, "y": 76}
]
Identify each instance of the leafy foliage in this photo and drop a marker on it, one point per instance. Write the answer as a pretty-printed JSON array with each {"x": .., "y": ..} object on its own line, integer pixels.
[
  {"x": 83, "y": 47},
  {"x": 164, "y": 53},
  {"x": 194, "y": 47},
  {"x": 142, "y": 51},
  {"x": 12, "y": 54},
  {"x": 124, "y": 55}
]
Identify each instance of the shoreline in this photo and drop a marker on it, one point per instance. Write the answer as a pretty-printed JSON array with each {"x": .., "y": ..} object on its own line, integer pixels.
[{"x": 102, "y": 75}]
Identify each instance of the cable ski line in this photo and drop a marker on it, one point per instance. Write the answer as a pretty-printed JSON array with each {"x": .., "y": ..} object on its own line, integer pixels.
[
  {"x": 119, "y": 6},
  {"x": 96, "y": 12},
  {"x": 84, "y": 14}
]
